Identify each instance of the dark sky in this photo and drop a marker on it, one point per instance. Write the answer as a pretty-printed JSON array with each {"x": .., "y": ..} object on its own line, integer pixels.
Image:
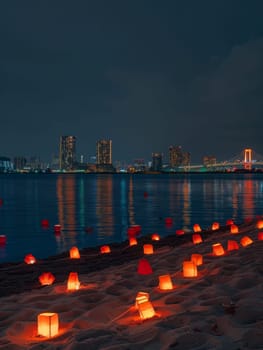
[{"x": 146, "y": 74}]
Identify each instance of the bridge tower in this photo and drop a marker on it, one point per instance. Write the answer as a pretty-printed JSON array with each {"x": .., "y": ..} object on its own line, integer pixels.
[{"x": 247, "y": 158}]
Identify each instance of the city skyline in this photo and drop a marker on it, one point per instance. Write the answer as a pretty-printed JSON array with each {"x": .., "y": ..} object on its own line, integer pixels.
[{"x": 143, "y": 74}]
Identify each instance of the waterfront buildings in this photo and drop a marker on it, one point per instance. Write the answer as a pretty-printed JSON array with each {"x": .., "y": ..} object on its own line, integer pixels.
[
  {"x": 178, "y": 158},
  {"x": 67, "y": 152},
  {"x": 104, "y": 156},
  {"x": 209, "y": 160},
  {"x": 157, "y": 161}
]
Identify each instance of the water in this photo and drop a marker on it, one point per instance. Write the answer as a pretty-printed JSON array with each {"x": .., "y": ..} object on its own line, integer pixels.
[{"x": 96, "y": 209}]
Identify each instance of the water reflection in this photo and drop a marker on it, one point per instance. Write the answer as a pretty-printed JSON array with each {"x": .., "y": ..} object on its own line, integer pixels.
[
  {"x": 186, "y": 203},
  {"x": 130, "y": 203},
  {"x": 248, "y": 199}
]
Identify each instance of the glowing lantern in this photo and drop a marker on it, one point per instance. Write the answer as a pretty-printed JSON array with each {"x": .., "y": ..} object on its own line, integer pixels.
[
  {"x": 134, "y": 230},
  {"x": 197, "y": 228},
  {"x": 105, "y": 249},
  {"x": 260, "y": 236},
  {"x": 215, "y": 226},
  {"x": 133, "y": 241},
  {"x": 155, "y": 237},
  {"x": 29, "y": 259},
  {"x": 2, "y": 239},
  {"x": 47, "y": 324},
  {"x": 229, "y": 222},
  {"x": 141, "y": 297},
  {"x": 168, "y": 221},
  {"x": 260, "y": 224},
  {"x": 234, "y": 229},
  {"x": 179, "y": 232},
  {"x": 232, "y": 245},
  {"x": 197, "y": 259},
  {"x": 245, "y": 241},
  {"x": 144, "y": 267},
  {"x": 218, "y": 249},
  {"x": 44, "y": 223},
  {"x": 196, "y": 238},
  {"x": 46, "y": 279},
  {"x": 74, "y": 253},
  {"x": 146, "y": 310},
  {"x": 189, "y": 269},
  {"x": 73, "y": 281},
  {"x": 57, "y": 228},
  {"x": 165, "y": 282},
  {"x": 148, "y": 249}
]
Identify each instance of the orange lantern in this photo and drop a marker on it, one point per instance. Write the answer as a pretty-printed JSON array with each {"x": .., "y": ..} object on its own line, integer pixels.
[
  {"x": 155, "y": 237},
  {"x": 260, "y": 236},
  {"x": 46, "y": 279},
  {"x": 105, "y": 249},
  {"x": 232, "y": 245},
  {"x": 215, "y": 226},
  {"x": 74, "y": 253},
  {"x": 47, "y": 324},
  {"x": 73, "y": 281},
  {"x": 2, "y": 239},
  {"x": 134, "y": 230},
  {"x": 144, "y": 267},
  {"x": 141, "y": 298},
  {"x": 197, "y": 259},
  {"x": 229, "y": 222},
  {"x": 197, "y": 228},
  {"x": 133, "y": 241},
  {"x": 165, "y": 282},
  {"x": 189, "y": 269},
  {"x": 148, "y": 249},
  {"x": 29, "y": 259},
  {"x": 179, "y": 232},
  {"x": 234, "y": 229},
  {"x": 146, "y": 310},
  {"x": 260, "y": 224},
  {"x": 196, "y": 238},
  {"x": 218, "y": 249},
  {"x": 245, "y": 241}
]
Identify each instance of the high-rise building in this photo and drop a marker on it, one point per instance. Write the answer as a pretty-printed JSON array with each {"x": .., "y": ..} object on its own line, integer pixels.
[
  {"x": 104, "y": 152},
  {"x": 157, "y": 161},
  {"x": 19, "y": 162},
  {"x": 209, "y": 160},
  {"x": 175, "y": 156},
  {"x": 67, "y": 152}
]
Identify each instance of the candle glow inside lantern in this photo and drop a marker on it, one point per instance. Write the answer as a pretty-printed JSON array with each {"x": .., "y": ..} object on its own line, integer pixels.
[
  {"x": 218, "y": 249},
  {"x": 229, "y": 222},
  {"x": 197, "y": 228},
  {"x": 155, "y": 237},
  {"x": 144, "y": 267},
  {"x": 29, "y": 259},
  {"x": 179, "y": 232},
  {"x": 146, "y": 310},
  {"x": 260, "y": 236},
  {"x": 148, "y": 249},
  {"x": 189, "y": 269},
  {"x": 215, "y": 226},
  {"x": 234, "y": 229},
  {"x": 232, "y": 245},
  {"x": 245, "y": 241},
  {"x": 132, "y": 241},
  {"x": 105, "y": 249},
  {"x": 47, "y": 324},
  {"x": 165, "y": 282},
  {"x": 141, "y": 297},
  {"x": 73, "y": 281},
  {"x": 196, "y": 238},
  {"x": 260, "y": 224},
  {"x": 46, "y": 279},
  {"x": 197, "y": 259},
  {"x": 74, "y": 253}
]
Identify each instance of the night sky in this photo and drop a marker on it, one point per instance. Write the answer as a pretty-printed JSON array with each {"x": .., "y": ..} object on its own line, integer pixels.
[{"x": 147, "y": 74}]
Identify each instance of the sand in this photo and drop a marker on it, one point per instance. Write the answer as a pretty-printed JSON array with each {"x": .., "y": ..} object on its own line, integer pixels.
[{"x": 221, "y": 308}]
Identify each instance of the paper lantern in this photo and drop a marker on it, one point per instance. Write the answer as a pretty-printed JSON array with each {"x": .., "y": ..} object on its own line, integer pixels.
[
  {"x": 144, "y": 267},
  {"x": 133, "y": 241},
  {"x": 229, "y": 222},
  {"x": 73, "y": 281},
  {"x": 234, "y": 229},
  {"x": 260, "y": 236},
  {"x": 197, "y": 259},
  {"x": 197, "y": 228},
  {"x": 105, "y": 249},
  {"x": 57, "y": 228},
  {"x": 134, "y": 230},
  {"x": 196, "y": 238},
  {"x": 168, "y": 221},
  {"x": 260, "y": 224},
  {"x": 245, "y": 241},
  {"x": 2, "y": 239},
  {"x": 179, "y": 232},
  {"x": 165, "y": 282},
  {"x": 215, "y": 226},
  {"x": 29, "y": 259},
  {"x": 46, "y": 279},
  {"x": 47, "y": 324},
  {"x": 155, "y": 237},
  {"x": 189, "y": 269},
  {"x": 148, "y": 249},
  {"x": 232, "y": 245},
  {"x": 218, "y": 249},
  {"x": 146, "y": 310},
  {"x": 74, "y": 253},
  {"x": 141, "y": 297},
  {"x": 44, "y": 223}
]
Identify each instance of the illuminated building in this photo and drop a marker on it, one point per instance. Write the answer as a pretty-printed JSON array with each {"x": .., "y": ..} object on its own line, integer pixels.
[
  {"x": 175, "y": 156},
  {"x": 209, "y": 160},
  {"x": 67, "y": 152},
  {"x": 6, "y": 164},
  {"x": 19, "y": 163},
  {"x": 104, "y": 156},
  {"x": 157, "y": 161}
]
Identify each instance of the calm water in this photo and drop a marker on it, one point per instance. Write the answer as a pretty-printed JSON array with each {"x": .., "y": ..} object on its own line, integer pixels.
[{"x": 108, "y": 204}]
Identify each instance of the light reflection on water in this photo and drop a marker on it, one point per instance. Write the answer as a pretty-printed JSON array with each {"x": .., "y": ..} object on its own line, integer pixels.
[{"x": 97, "y": 209}]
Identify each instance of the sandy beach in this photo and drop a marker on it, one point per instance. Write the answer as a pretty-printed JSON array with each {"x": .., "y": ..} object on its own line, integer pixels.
[{"x": 220, "y": 308}]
